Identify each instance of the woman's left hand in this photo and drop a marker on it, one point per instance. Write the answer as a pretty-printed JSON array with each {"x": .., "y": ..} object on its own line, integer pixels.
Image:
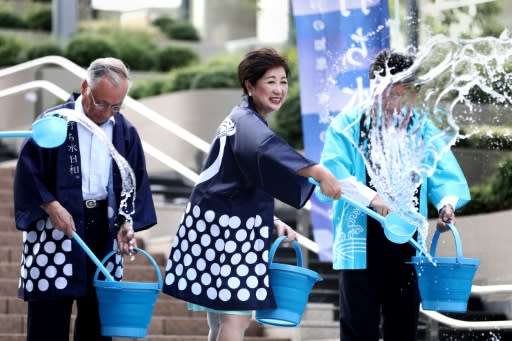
[{"x": 283, "y": 228}]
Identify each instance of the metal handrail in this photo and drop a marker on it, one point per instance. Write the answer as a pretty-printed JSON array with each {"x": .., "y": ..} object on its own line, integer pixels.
[
  {"x": 148, "y": 148},
  {"x": 191, "y": 175},
  {"x": 138, "y": 107},
  {"x": 491, "y": 289},
  {"x": 474, "y": 325},
  {"x": 54, "y": 89}
]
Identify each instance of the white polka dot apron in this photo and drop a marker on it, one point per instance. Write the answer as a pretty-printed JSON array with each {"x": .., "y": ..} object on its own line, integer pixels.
[
  {"x": 47, "y": 264},
  {"x": 220, "y": 261},
  {"x": 219, "y": 257}
]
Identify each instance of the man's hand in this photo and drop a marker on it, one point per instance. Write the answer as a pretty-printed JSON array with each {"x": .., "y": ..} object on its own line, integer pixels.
[
  {"x": 126, "y": 239},
  {"x": 380, "y": 206},
  {"x": 60, "y": 218},
  {"x": 446, "y": 216}
]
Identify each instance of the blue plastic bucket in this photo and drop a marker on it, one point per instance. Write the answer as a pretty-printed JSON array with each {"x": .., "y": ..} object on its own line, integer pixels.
[
  {"x": 126, "y": 308},
  {"x": 291, "y": 286},
  {"x": 445, "y": 286}
]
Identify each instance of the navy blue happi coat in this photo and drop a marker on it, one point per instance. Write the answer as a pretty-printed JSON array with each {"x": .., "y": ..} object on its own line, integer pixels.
[
  {"x": 219, "y": 257},
  {"x": 52, "y": 265}
]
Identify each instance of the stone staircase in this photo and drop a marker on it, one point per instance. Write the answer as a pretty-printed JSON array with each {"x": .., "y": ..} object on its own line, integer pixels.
[{"x": 171, "y": 319}]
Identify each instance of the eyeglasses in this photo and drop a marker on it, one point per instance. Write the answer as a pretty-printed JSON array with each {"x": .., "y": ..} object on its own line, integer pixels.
[{"x": 103, "y": 106}]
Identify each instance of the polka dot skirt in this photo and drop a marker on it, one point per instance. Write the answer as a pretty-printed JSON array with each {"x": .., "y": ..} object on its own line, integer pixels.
[{"x": 219, "y": 261}]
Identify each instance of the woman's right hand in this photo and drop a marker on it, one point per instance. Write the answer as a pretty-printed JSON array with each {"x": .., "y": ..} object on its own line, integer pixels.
[{"x": 330, "y": 186}]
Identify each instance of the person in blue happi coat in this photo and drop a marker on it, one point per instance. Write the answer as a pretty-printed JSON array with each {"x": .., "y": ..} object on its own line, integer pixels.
[
  {"x": 77, "y": 188},
  {"x": 219, "y": 257},
  {"x": 375, "y": 279}
]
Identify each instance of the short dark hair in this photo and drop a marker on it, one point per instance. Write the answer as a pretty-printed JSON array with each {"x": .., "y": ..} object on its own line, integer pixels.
[
  {"x": 390, "y": 60},
  {"x": 257, "y": 62}
]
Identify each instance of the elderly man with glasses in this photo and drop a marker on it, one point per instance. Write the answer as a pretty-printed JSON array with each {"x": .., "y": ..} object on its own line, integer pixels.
[{"x": 76, "y": 188}]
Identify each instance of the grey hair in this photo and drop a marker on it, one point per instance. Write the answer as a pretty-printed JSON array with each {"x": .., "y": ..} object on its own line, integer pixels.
[{"x": 112, "y": 68}]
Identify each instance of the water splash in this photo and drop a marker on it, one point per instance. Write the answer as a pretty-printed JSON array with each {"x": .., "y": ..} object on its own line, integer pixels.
[
  {"x": 449, "y": 82},
  {"x": 456, "y": 77}
]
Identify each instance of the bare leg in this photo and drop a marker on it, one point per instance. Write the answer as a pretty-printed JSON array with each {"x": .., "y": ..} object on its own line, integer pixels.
[
  {"x": 233, "y": 327},
  {"x": 214, "y": 325}
]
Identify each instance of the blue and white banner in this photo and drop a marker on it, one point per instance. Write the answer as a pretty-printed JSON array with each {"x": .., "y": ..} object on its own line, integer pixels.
[{"x": 336, "y": 42}]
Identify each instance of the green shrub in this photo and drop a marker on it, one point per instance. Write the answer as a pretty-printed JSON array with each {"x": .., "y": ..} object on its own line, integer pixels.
[
  {"x": 162, "y": 22},
  {"x": 139, "y": 90},
  {"x": 40, "y": 20},
  {"x": 148, "y": 88},
  {"x": 181, "y": 30},
  {"x": 193, "y": 77},
  {"x": 43, "y": 50},
  {"x": 181, "y": 79},
  {"x": 11, "y": 20},
  {"x": 500, "y": 84},
  {"x": 10, "y": 50},
  {"x": 495, "y": 195},
  {"x": 287, "y": 121},
  {"x": 84, "y": 49},
  {"x": 291, "y": 56},
  {"x": 137, "y": 56},
  {"x": 487, "y": 138},
  {"x": 172, "y": 57},
  {"x": 135, "y": 47},
  {"x": 214, "y": 79},
  {"x": 229, "y": 61}
]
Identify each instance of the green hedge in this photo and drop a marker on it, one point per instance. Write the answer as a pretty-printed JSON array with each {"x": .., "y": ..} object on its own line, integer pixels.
[
  {"x": 83, "y": 49},
  {"x": 11, "y": 20},
  {"x": 181, "y": 30},
  {"x": 40, "y": 20},
  {"x": 215, "y": 78},
  {"x": 10, "y": 50},
  {"x": 162, "y": 22},
  {"x": 173, "y": 57},
  {"x": 487, "y": 137},
  {"x": 135, "y": 47},
  {"x": 287, "y": 122},
  {"x": 147, "y": 88},
  {"x": 494, "y": 195},
  {"x": 176, "y": 29},
  {"x": 186, "y": 78},
  {"x": 42, "y": 50}
]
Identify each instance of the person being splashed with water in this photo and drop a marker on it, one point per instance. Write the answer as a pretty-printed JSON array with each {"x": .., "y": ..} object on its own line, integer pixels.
[
  {"x": 76, "y": 188},
  {"x": 376, "y": 282}
]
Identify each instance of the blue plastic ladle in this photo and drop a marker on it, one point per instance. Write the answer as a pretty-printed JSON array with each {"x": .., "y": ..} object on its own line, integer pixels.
[
  {"x": 93, "y": 257},
  {"x": 50, "y": 131},
  {"x": 396, "y": 229}
]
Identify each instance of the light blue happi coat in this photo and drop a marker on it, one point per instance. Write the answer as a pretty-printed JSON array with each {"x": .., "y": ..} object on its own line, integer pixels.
[{"x": 342, "y": 157}]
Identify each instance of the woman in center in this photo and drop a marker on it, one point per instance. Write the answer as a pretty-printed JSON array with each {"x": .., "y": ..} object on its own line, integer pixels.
[{"x": 219, "y": 257}]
